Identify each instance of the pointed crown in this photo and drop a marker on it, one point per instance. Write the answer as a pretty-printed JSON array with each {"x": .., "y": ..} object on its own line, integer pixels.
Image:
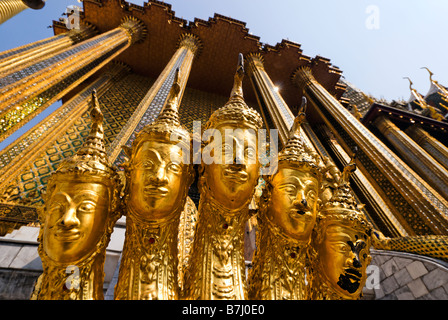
[
  {"x": 91, "y": 157},
  {"x": 167, "y": 127},
  {"x": 342, "y": 207},
  {"x": 236, "y": 110},
  {"x": 295, "y": 153}
]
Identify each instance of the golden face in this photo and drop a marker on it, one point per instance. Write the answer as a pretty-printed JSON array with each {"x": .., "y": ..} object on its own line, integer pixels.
[
  {"x": 293, "y": 202},
  {"x": 158, "y": 182},
  {"x": 344, "y": 256},
  {"x": 76, "y": 218},
  {"x": 232, "y": 181}
]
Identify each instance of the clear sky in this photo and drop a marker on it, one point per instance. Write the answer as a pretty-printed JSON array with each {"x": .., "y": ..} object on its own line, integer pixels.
[{"x": 374, "y": 42}]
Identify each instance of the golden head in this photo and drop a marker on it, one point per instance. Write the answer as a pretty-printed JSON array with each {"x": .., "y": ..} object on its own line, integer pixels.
[
  {"x": 231, "y": 177},
  {"x": 159, "y": 172},
  {"x": 82, "y": 199},
  {"x": 290, "y": 198},
  {"x": 342, "y": 240}
]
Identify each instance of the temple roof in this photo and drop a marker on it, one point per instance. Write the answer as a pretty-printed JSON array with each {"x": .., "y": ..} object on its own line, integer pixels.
[
  {"x": 404, "y": 118},
  {"x": 222, "y": 38}
]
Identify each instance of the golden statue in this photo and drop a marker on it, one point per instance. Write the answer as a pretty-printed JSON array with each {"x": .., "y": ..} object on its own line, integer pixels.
[
  {"x": 80, "y": 211},
  {"x": 340, "y": 250},
  {"x": 287, "y": 215},
  {"x": 331, "y": 176},
  {"x": 157, "y": 182},
  {"x": 226, "y": 185}
]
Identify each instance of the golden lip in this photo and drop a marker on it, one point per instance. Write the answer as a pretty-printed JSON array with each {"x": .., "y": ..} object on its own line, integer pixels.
[
  {"x": 68, "y": 235},
  {"x": 299, "y": 214},
  {"x": 237, "y": 175},
  {"x": 156, "y": 191}
]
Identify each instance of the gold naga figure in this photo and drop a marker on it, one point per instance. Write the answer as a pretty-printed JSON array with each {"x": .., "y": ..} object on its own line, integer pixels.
[
  {"x": 80, "y": 211},
  {"x": 341, "y": 242},
  {"x": 226, "y": 184},
  {"x": 157, "y": 182},
  {"x": 287, "y": 214}
]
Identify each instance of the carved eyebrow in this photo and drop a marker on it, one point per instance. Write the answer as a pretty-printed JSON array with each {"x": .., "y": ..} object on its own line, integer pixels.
[
  {"x": 291, "y": 179},
  {"x": 311, "y": 183},
  {"x": 62, "y": 195},
  {"x": 149, "y": 153},
  {"x": 334, "y": 236},
  {"x": 92, "y": 195}
]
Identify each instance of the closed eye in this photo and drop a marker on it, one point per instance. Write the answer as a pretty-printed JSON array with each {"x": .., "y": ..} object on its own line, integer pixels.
[
  {"x": 87, "y": 206},
  {"x": 288, "y": 188}
]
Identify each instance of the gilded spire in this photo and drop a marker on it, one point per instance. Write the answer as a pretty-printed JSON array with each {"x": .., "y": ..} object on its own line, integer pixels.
[
  {"x": 168, "y": 120},
  {"x": 236, "y": 110},
  {"x": 430, "y": 74},
  {"x": 169, "y": 115},
  {"x": 94, "y": 144},
  {"x": 342, "y": 196},
  {"x": 91, "y": 157},
  {"x": 295, "y": 151},
  {"x": 166, "y": 126},
  {"x": 342, "y": 206},
  {"x": 237, "y": 90}
]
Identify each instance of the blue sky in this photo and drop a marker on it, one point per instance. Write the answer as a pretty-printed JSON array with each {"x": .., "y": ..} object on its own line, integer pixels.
[{"x": 374, "y": 42}]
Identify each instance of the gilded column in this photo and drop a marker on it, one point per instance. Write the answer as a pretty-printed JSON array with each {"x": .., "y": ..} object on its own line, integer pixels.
[
  {"x": 15, "y": 158},
  {"x": 151, "y": 105},
  {"x": 434, "y": 147},
  {"x": 26, "y": 90},
  {"x": 9, "y": 8},
  {"x": 415, "y": 156},
  {"x": 270, "y": 100},
  {"x": 423, "y": 208},
  {"x": 269, "y": 97},
  {"x": 376, "y": 207},
  {"x": 13, "y": 59}
]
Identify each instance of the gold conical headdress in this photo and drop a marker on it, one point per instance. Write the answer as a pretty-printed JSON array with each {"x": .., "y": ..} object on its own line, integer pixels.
[
  {"x": 295, "y": 153},
  {"x": 342, "y": 207},
  {"x": 91, "y": 157},
  {"x": 236, "y": 111},
  {"x": 167, "y": 126}
]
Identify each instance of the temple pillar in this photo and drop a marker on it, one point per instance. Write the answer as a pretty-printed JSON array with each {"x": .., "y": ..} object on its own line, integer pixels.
[
  {"x": 425, "y": 210},
  {"x": 376, "y": 208},
  {"x": 435, "y": 148},
  {"x": 13, "y": 59},
  {"x": 16, "y": 157},
  {"x": 269, "y": 98},
  {"x": 151, "y": 105},
  {"x": 25, "y": 91},
  {"x": 422, "y": 162},
  {"x": 9, "y": 8}
]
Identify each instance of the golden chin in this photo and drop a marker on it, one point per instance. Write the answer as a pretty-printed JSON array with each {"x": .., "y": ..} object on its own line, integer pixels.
[
  {"x": 76, "y": 218},
  {"x": 158, "y": 180},
  {"x": 232, "y": 185},
  {"x": 293, "y": 202}
]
